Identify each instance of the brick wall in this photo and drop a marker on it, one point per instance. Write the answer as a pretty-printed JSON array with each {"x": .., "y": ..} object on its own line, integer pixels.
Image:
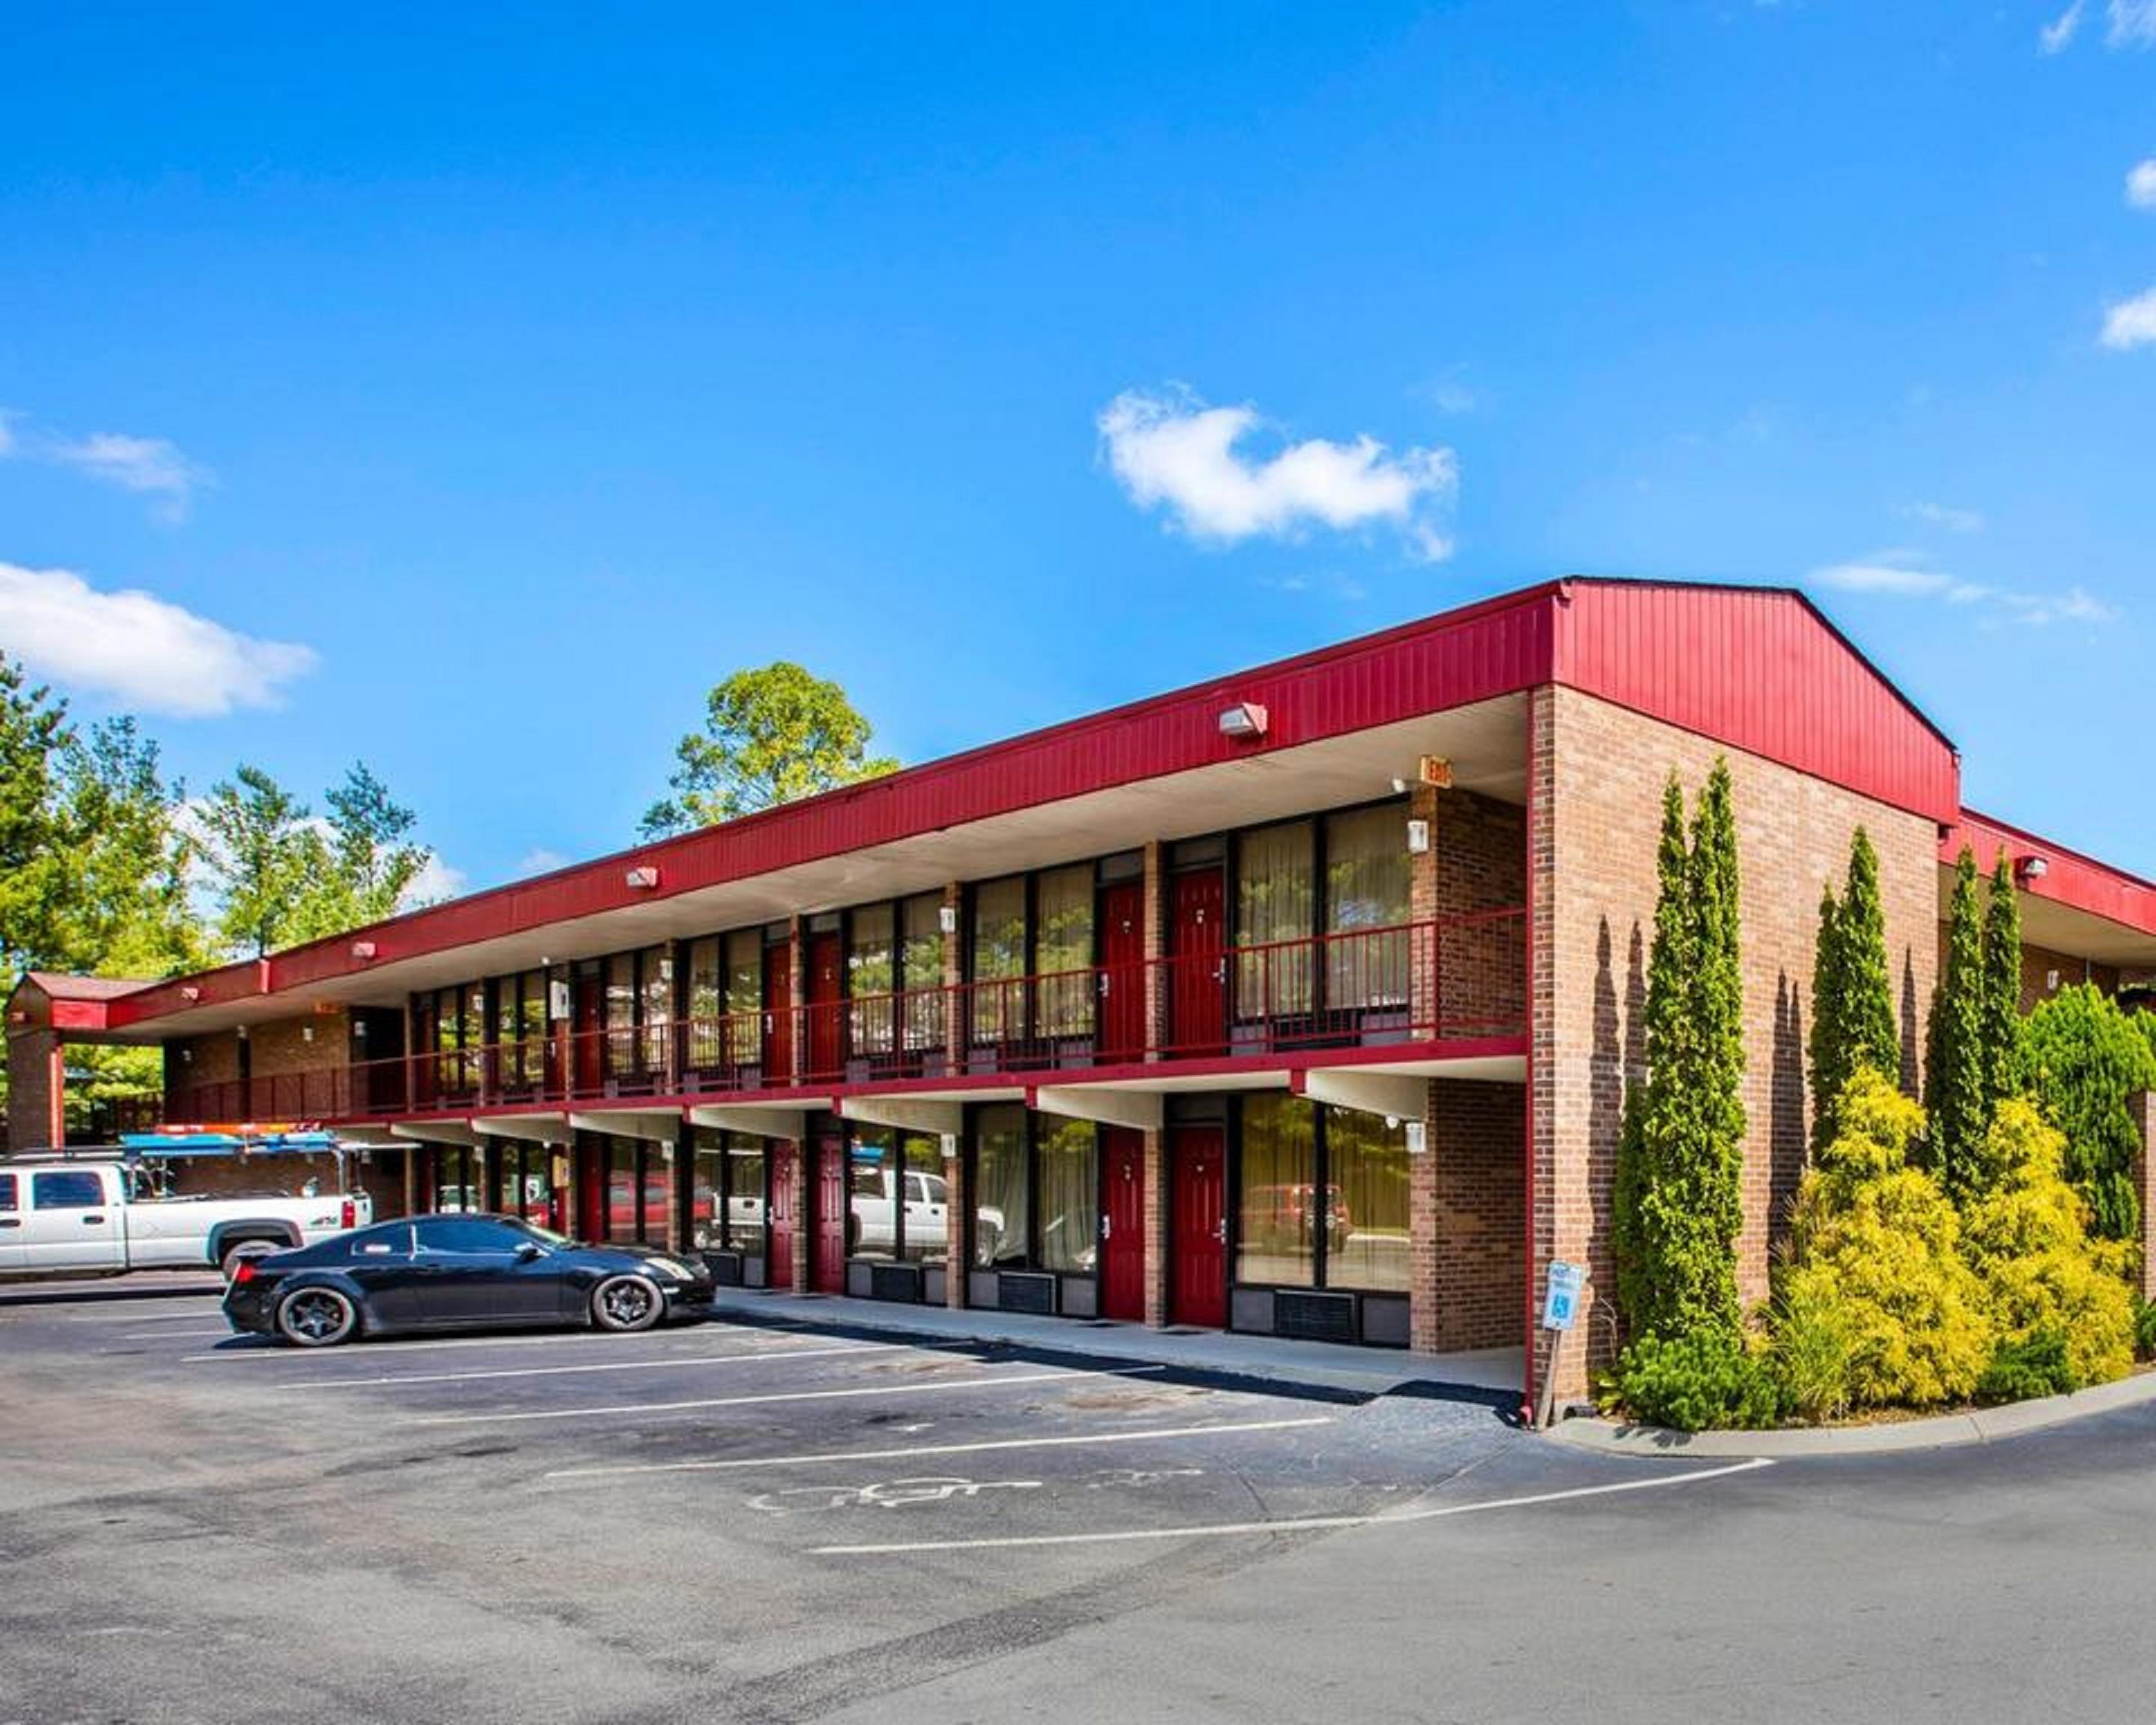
[
  {"x": 2037, "y": 964},
  {"x": 2144, "y": 1179},
  {"x": 1475, "y": 1174},
  {"x": 1480, "y": 864},
  {"x": 1596, "y": 776},
  {"x": 32, "y": 1103}
]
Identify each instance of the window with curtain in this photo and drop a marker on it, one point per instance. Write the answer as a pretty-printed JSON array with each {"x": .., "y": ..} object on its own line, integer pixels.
[
  {"x": 1366, "y": 907},
  {"x": 744, "y": 1194},
  {"x": 655, "y": 978},
  {"x": 997, "y": 959},
  {"x": 1275, "y": 910},
  {"x": 923, "y": 1229},
  {"x": 744, "y": 1031},
  {"x": 1001, "y": 1212},
  {"x": 707, "y": 1192},
  {"x": 657, "y": 1196},
  {"x": 871, "y": 1182},
  {"x": 1276, "y": 1236},
  {"x": 1069, "y": 1158},
  {"x": 1366, "y": 1177},
  {"x": 871, "y": 980},
  {"x": 620, "y": 1019},
  {"x": 1063, "y": 950},
  {"x": 921, "y": 927}
]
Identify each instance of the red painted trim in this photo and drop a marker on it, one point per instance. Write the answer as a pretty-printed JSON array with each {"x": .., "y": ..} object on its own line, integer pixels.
[
  {"x": 87, "y": 1015},
  {"x": 2077, "y": 882},
  {"x": 1528, "y": 1353}
]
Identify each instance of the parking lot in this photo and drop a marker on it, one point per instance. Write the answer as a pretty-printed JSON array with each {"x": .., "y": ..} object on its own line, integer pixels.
[{"x": 765, "y": 1520}]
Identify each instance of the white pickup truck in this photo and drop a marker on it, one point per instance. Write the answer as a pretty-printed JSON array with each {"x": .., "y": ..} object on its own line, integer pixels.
[{"x": 81, "y": 1217}]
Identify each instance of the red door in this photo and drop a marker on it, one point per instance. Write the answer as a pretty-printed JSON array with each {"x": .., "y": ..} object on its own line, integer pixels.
[
  {"x": 827, "y": 1057},
  {"x": 1198, "y": 1228},
  {"x": 1123, "y": 1223},
  {"x": 778, "y": 1014},
  {"x": 1122, "y": 972},
  {"x": 587, "y": 1032},
  {"x": 783, "y": 1214},
  {"x": 1198, "y": 935},
  {"x": 592, "y": 1219},
  {"x": 827, "y": 1266}
]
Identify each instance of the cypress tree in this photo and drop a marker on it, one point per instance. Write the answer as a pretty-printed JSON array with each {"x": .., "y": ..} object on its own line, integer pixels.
[
  {"x": 2001, "y": 1008},
  {"x": 1679, "y": 1197},
  {"x": 1852, "y": 991},
  {"x": 1955, "y": 1074}
]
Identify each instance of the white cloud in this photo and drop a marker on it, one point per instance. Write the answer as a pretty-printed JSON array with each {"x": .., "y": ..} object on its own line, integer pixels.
[
  {"x": 145, "y": 465},
  {"x": 2131, "y": 323},
  {"x": 2133, "y": 23},
  {"x": 2141, "y": 184},
  {"x": 2056, "y": 35},
  {"x": 1172, "y": 450},
  {"x": 435, "y": 881},
  {"x": 1902, "y": 574},
  {"x": 1942, "y": 514},
  {"x": 142, "y": 651},
  {"x": 541, "y": 860}
]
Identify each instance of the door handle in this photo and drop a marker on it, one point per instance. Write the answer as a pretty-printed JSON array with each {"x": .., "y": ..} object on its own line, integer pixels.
[
  {"x": 1220, "y": 971},
  {"x": 1104, "y": 985},
  {"x": 1220, "y": 1230},
  {"x": 91, "y": 1221},
  {"x": 1106, "y": 1227},
  {"x": 11, "y": 1221}
]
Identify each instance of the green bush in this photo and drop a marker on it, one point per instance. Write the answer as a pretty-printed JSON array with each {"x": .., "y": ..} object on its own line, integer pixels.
[
  {"x": 2021, "y": 1371},
  {"x": 1814, "y": 1343},
  {"x": 2145, "y": 1328},
  {"x": 2084, "y": 1060},
  {"x": 2046, "y": 1282},
  {"x": 1708, "y": 1380},
  {"x": 1875, "y": 1244}
]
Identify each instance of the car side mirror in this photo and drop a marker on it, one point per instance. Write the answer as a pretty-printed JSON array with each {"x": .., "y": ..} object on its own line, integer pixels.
[{"x": 530, "y": 1251}]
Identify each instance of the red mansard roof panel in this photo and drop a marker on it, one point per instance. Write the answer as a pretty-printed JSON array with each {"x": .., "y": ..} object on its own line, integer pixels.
[{"x": 1761, "y": 669}]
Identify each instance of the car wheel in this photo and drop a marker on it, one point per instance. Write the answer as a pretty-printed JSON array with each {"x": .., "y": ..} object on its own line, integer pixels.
[
  {"x": 317, "y": 1317},
  {"x": 626, "y": 1303},
  {"x": 243, "y": 1252}
]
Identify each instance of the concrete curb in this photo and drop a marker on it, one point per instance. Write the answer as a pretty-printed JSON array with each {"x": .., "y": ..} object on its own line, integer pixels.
[{"x": 1980, "y": 1425}]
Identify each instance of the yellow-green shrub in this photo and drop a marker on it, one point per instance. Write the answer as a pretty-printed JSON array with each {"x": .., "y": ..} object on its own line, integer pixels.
[
  {"x": 1875, "y": 1255},
  {"x": 2027, "y": 1239}
]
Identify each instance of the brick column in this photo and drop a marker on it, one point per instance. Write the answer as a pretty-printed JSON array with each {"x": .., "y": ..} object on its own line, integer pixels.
[
  {"x": 37, "y": 1078},
  {"x": 797, "y": 995},
  {"x": 1555, "y": 1190},
  {"x": 958, "y": 1248},
  {"x": 802, "y": 1182},
  {"x": 1424, "y": 1317},
  {"x": 954, "y": 978},
  {"x": 2144, "y": 1181},
  {"x": 681, "y": 1229},
  {"x": 1156, "y": 1229}
]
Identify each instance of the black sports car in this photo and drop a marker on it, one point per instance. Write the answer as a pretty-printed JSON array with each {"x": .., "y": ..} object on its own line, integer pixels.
[{"x": 457, "y": 1272}]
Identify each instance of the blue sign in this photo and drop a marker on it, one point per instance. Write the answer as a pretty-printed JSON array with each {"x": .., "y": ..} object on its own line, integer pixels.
[{"x": 1561, "y": 1295}]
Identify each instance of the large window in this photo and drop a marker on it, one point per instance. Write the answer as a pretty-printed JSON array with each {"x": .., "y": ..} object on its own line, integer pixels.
[
  {"x": 1063, "y": 950},
  {"x": 897, "y": 1197},
  {"x": 457, "y": 1184},
  {"x": 524, "y": 1181},
  {"x": 997, "y": 959},
  {"x": 921, "y": 941},
  {"x": 1366, "y": 889},
  {"x": 1276, "y": 913},
  {"x": 638, "y": 1012},
  {"x": 727, "y": 1202},
  {"x": 1003, "y": 1210},
  {"x": 1324, "y": 1198},
  {"x": 1036, "y": 1191},
  {"x": 871, "y": 980},
  {"x": 744, "y": 1030},
  {"x": 519, "y": 1031}
]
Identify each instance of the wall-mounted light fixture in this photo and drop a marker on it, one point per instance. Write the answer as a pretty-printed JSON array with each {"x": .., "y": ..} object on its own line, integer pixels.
[
  {"x": 190, "y": 992},
  {"x": 2031, "y": 868},
  {"x": 2052, "y": 981},
  {"x": 363, "y": 951},
  {"x": 1435, "y": 770},
  {"x": 947, "y": 918},
  {"x": 1418, "y": 837},
  {"x": 1418, "y": 1135},
  {"x": 642, "y": 878},
  {"x": 306, "y": 1033},
  {"x": 1246, "y": 718},
  {"x": 187, "y": 1057},
  {"x": 950, "y": 1146},
  {"x": 1399, "y": 788}
]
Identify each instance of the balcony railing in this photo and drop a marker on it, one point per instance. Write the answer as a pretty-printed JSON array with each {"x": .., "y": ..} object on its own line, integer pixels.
[{"x": 1458, "y": 978}]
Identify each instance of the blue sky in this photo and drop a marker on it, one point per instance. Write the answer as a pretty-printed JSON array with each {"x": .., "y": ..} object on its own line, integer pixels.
[{"x": 469, "y": 389}]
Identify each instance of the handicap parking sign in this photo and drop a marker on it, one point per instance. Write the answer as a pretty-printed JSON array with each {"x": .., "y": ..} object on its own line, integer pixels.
[{"x": 1561, "y": 1295}]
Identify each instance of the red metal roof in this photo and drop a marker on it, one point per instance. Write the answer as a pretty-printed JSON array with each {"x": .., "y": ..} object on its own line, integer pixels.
[
  {"x": 1758, "y": 669},
  {"x": 2079, "y": 882}
]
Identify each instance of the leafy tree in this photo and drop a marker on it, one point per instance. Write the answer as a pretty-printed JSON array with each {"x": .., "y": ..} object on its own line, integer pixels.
[
  {"x": 1852, "y": 990},
  {"x": 770, "y": 735},
  {"x": 372, "y": 861},
  {"x": 2085, "y": 1060},
  {"x": 34, "y": 729},
  {"x": 128, "y": 909},
  {"x": 1678, "y": 1199},
  {"x": 267, "y": 855},
  {"x": 1999, "y": 1012},
  {"x": 1957, "y": 1093}
]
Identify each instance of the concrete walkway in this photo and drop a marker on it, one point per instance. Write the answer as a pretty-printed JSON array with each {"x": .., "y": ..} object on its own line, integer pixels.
[
  {"x": 1979, "y": 1425},
  {"x": 1489, "y": 1374}
]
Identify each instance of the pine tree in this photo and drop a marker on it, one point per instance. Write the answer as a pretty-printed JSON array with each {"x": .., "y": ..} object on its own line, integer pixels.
[
  {"x": 1852, "y": 991},
  {"x": 1954, "y": 1074},
  {"x": 2000, "y": 1011},
  {"x": 1679, "y": 1187}
]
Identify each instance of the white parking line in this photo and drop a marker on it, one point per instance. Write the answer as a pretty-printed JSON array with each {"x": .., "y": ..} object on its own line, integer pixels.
[
  {"x": 663, "y": 1363},
  {"x": 171, "y": 1335},
  {"x": 1221, "y": 1530},
  {"x": 557, "y": 1338},
  {"x": 620, "y": 1409},
  {"x": 1159, "y": 1435}
]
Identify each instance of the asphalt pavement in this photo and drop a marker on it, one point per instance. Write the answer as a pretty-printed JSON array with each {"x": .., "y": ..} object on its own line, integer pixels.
[{"x": 767, "y": 1519}]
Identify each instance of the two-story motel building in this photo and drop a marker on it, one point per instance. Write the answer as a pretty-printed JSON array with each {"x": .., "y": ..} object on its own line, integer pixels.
[{"x": 1301, "y": 1001}]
